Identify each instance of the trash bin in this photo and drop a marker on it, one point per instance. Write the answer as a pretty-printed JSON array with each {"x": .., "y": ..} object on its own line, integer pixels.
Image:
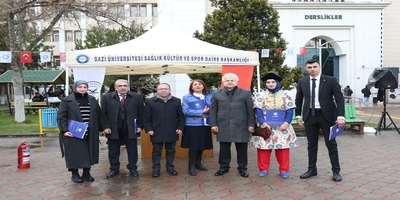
[{"x": 47, "y": 119}]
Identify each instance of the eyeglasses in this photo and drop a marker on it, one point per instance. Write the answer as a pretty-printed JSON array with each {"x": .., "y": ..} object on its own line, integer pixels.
[{"x": 122, "y": 85}]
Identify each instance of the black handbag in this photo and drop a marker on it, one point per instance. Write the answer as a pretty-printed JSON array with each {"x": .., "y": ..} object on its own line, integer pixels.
[{"x": 262, "y": 132}]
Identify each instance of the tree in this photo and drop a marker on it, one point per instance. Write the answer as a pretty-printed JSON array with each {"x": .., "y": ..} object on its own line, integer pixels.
[
  {"x": 248, "y": 25},
  {"x": 22, "y": 17},
  {"x": 99, "y": 36}
]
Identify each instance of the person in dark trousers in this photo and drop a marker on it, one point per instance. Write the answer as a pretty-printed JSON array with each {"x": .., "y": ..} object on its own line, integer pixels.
[
  {"x": 79, "y": 153},
  {"x": 347, "y": 92},
  {"x": 320, "y": 112},
  {"x": 122, "y": 122},
  {"x": 367, "y": 93},
  {"x": 197, "y": 135},
  {"x": 232, "y": 118},
  {"x": 163, "y": 119}
]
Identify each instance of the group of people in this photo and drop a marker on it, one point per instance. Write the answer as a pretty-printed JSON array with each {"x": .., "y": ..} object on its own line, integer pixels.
[
  {"x": 366, "y": 91},
  {"x": 231, "y": 113}
]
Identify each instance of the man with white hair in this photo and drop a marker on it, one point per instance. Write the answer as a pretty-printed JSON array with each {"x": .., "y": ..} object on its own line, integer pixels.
[{"x": 232, "y": 118}]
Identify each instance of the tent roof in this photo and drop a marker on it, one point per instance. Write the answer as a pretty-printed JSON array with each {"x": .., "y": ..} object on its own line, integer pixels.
[
  {"x": 164, "y": 45},
  {"x": 37, "y": 76}
]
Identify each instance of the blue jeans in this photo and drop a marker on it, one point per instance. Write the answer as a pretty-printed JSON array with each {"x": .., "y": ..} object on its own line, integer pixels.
[{"x": 366, "y": 99}]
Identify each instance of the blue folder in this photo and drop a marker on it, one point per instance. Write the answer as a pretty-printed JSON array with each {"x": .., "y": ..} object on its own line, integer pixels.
[
  {"x": 275, "y": 117},
  {"x": 77, "y": 129},
  {"x": 200, "y": 105},
  {"x": 335, "y": 131}
]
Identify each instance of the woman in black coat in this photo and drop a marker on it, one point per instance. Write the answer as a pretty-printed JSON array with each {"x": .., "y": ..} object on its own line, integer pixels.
[{"x": 79, "y": 153}]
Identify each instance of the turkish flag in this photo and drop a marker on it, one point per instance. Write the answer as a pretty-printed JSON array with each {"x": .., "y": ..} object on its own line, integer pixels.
[
  {"x": 303, "y": 51},
  {"x": 245, "y": 74},
  {"x": 63, "y": 57},
  {"x": 278, "y": 51},
  {"x": 25, "y": 57}
]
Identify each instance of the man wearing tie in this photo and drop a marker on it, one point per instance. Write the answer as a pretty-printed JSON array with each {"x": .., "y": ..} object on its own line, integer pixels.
[
  {"x": 121, "y": 119},
  {"x": 322, "y": 102}
]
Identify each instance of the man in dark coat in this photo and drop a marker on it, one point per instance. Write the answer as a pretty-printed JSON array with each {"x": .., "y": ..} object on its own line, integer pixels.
[
  {"x": 122, "y": 122},
  {"x": 79, "y": 153},
  {"x": 163, "y": 119},
  {"x": 232, "y": 118},
  {"x": 320, "y": 112}
]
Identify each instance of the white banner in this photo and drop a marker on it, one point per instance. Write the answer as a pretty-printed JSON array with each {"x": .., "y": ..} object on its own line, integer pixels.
[
  {"x": 289, "y": 52},
  {"x": 94, "y": 76},
  {"x": 45, "y": 57},
  {"x": 264, "y": 53},
  {"x": 5, "y": 56}
]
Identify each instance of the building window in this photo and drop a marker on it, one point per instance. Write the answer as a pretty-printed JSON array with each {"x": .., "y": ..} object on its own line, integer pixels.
[
  {"x": 56, "y": 61},
  {"x": 155, "y": 10},
  {"x": 134, "y": 10},
  {"x": 68, "y": 36},
  {"x": 56, "y": 36},
  {"x": 112, "y": 10},
  {"x": 310, "y": 44},
  {"x": 47, "y": 38},
  {"x": 32, "y": 11},
  {"x": 143, "y": 11},
  {"x": 121, "y": 11},
  {"x": 100, "y": 9},
  {"x": 78, "y": 36}
]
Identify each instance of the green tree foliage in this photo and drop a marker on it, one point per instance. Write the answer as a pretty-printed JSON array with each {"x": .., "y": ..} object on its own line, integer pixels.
[
  {"x": 99, "y": 36},
  {"x": 248, "y": 25}
]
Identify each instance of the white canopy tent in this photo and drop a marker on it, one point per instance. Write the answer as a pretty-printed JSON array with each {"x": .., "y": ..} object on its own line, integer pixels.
[{"x": 163, "y": 49}]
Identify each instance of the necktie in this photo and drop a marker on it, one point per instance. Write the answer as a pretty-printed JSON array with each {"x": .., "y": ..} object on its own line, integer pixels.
[
  {"x": 313, "y": 97},
  {"x": 123, "y": 99}
]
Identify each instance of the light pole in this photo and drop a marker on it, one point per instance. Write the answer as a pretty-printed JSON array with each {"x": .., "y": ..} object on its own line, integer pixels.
[{"x": 320, "y": 48}]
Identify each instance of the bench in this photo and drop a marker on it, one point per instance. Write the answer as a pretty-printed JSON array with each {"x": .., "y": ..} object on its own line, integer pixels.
[
  {"x": 30, "y": 106},
  {"x": 350, "y": 115}
]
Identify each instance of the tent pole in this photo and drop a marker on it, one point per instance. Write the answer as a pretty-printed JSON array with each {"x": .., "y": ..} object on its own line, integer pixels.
[
  {"x": 66, "y": 92},
  {"x": 258, "y": 78}
]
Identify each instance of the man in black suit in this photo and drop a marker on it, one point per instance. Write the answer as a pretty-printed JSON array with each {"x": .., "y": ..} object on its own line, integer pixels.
[
  {"x": 121, "y": 120},
  {"x": 322, "y": 101},
  {"x": 163, "y": 120}
]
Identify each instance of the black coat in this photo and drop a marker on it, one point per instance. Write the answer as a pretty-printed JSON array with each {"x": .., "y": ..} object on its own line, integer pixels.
[
  {"x": 163, "y": 119},
  {"x": 79, "y": 153},
  {"x": 328, "y": 88},
  {"x": 110, "y": 109},
  {"x": 232, "y": 115}
]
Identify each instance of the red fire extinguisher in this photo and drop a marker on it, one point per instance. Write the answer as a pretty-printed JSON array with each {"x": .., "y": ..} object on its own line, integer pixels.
[{"x": 24, "y": 154}]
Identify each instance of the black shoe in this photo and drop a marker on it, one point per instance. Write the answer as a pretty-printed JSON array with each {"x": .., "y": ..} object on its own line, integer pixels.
[
  {"x": 221, "y": 172},
  {"x": 308, "y": 174},
  {"x": 155, "y": 174},
  {"x": 112, "y": 173},
  {"x": 87, "y": 177},
  {"x": 76, "y": 178},
  {"x": 191, "y": 170},
  {"x": 172, "y": 172},
  {"x": 200, "y": 167},
  {"x": 336, "y": 177},
  {"x": 244, "y": 173},
  {"x": 134, "y": 173}
]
